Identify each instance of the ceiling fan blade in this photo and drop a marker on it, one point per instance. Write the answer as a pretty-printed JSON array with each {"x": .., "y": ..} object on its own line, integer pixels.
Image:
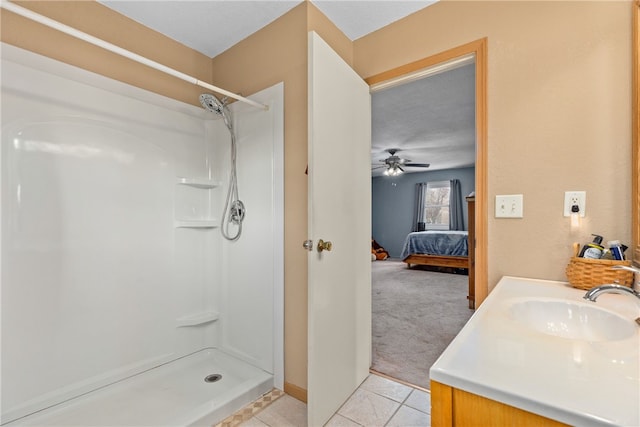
[
  {"x": 394, "y": 161},
  {"x": 378, "y": 167}
]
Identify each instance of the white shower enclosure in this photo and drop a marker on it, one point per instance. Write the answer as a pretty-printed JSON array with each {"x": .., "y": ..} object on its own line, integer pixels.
[{"x": 112, "y": 262}]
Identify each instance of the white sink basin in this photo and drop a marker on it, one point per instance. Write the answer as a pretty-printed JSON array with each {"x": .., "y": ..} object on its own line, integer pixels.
[{"x": 572, "y": 320}]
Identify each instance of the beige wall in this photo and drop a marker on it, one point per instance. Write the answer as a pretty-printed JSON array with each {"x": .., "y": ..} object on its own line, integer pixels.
[
  {"x": 559, "y": 108},
  {"x": 102, "y": 22}
]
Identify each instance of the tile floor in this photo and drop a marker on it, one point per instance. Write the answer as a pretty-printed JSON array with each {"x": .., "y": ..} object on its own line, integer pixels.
[{"x": 378, "y": 402}]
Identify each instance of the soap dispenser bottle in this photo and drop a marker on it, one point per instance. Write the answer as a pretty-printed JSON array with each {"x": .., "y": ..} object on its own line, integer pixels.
[{"x": 594, "y": 249}]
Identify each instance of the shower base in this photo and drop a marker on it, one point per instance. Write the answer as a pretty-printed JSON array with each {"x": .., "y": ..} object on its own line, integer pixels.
[{"x": 174, "y": 394}]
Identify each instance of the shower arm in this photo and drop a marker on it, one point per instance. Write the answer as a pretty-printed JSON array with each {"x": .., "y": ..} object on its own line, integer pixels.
[{"x": 27, "y": 13}]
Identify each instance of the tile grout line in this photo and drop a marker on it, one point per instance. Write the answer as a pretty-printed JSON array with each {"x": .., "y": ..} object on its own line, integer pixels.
[
  {"x": 420, "y": 410},
  {"x": 345, "y": 402},
  {"x": 373, "y": 392},
  {"x": 400, "y": 406}
]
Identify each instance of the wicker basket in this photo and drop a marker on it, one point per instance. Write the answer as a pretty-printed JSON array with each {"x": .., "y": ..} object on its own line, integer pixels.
[{"x": 585, "y": 273}]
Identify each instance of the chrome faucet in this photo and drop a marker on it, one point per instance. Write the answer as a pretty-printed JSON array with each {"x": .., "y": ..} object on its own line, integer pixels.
[{"x": 594, "y": 293}]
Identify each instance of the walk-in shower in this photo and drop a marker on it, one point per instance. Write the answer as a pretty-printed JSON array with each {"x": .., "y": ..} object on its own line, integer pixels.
[
  {"x": 234, "y": 210},
  {"x": 119, "y": 294}
]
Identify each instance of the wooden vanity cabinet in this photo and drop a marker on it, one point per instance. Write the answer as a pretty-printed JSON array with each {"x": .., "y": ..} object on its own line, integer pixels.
[{"x": 453, "y": 407}]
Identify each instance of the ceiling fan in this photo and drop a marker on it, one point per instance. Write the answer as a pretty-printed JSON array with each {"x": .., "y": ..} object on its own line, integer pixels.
[{"x": 394, "y": 165}]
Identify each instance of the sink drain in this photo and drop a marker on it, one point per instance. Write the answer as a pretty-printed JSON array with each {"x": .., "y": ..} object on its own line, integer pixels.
[{"x": 212, "y": 378}]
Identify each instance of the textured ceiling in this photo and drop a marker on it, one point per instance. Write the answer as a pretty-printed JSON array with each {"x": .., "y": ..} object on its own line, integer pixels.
[
  {"x": 210, "y": 26},
  {"x": 431, "y": 120},
  {"x": 359, "y": 18},
  {"x": 213, "y": 26}
]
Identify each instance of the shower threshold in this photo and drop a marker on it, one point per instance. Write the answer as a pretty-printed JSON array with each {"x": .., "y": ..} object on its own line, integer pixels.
[{"x": 174, "y": 394}]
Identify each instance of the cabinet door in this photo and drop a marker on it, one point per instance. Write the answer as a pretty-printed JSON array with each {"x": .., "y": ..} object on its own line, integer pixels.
[{"x": 452, "y": 407}]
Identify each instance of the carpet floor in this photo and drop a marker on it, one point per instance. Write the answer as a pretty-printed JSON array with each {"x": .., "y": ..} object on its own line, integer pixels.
[{"x": 415, "y": 315}]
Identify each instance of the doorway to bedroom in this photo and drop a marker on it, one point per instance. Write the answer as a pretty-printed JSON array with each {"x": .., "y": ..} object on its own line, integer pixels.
[{"x": 428, "y": 164}]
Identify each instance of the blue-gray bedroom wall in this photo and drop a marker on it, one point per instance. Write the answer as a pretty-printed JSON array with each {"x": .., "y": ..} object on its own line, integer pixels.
[{"x": 392, "y": 203}]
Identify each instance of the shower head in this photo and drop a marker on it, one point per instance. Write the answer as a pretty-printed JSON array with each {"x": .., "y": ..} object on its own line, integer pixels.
[{"x": 213, "y": 104}]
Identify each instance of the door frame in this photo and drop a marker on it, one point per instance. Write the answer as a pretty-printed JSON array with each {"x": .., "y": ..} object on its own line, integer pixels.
[
  {"x": 478, "y": 48},
  {"x": 635, "y": 143}
]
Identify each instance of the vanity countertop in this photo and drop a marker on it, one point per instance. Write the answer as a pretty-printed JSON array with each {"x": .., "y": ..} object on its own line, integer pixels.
[{"x": 572, "y": 381}]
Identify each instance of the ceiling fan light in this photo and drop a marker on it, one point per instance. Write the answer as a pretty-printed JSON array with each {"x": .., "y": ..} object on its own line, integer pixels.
[{"x": 393, "y": 170}]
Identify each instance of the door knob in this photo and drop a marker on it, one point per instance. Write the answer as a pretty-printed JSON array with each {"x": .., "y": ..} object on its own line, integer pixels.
[
  {"x": 324, "y": 246},
  {"x": 308, "y": 245}
]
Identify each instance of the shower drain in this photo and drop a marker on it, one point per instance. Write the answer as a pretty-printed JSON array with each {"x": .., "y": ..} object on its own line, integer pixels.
[{"x": 212, "y": 378}]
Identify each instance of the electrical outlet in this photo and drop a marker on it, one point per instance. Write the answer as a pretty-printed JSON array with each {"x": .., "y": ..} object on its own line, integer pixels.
[
  {"x": 509, "y": 206},
  {"x": 575, "y": 198}
]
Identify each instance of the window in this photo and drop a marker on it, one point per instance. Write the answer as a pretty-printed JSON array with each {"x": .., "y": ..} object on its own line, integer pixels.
[{"x": 436, "y": 205}]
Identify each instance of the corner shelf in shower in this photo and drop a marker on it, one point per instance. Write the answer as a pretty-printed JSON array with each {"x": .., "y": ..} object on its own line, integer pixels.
[
  {"x": 204, "y": 183},
  {"x": 197, "y": 319},
  {"x": 196, "y": 223}
]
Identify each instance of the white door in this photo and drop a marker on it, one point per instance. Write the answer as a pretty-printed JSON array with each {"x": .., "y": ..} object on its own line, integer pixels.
[{"x": 340, "y": 212}]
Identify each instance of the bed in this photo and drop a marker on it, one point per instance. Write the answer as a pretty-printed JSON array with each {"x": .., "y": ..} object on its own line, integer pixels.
[
  {"x": 412, "y": 255},
  {"x": 437, "y": 248}
]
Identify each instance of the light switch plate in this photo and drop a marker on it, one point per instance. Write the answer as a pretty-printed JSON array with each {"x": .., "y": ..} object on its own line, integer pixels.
[{"x": 509, "y": 206}]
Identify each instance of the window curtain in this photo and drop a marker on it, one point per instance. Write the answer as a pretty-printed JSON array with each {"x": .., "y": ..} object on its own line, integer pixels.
[
  {"x": 418, "y": 213},
  {"x": 456, "y": 214}
]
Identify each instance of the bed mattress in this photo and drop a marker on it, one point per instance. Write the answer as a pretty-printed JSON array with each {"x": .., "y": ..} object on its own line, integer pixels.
[{"x": 446, "y": 243}]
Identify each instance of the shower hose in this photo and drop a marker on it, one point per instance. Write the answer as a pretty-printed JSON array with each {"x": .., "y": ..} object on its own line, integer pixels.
[{"x": 233, "y": 212}]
